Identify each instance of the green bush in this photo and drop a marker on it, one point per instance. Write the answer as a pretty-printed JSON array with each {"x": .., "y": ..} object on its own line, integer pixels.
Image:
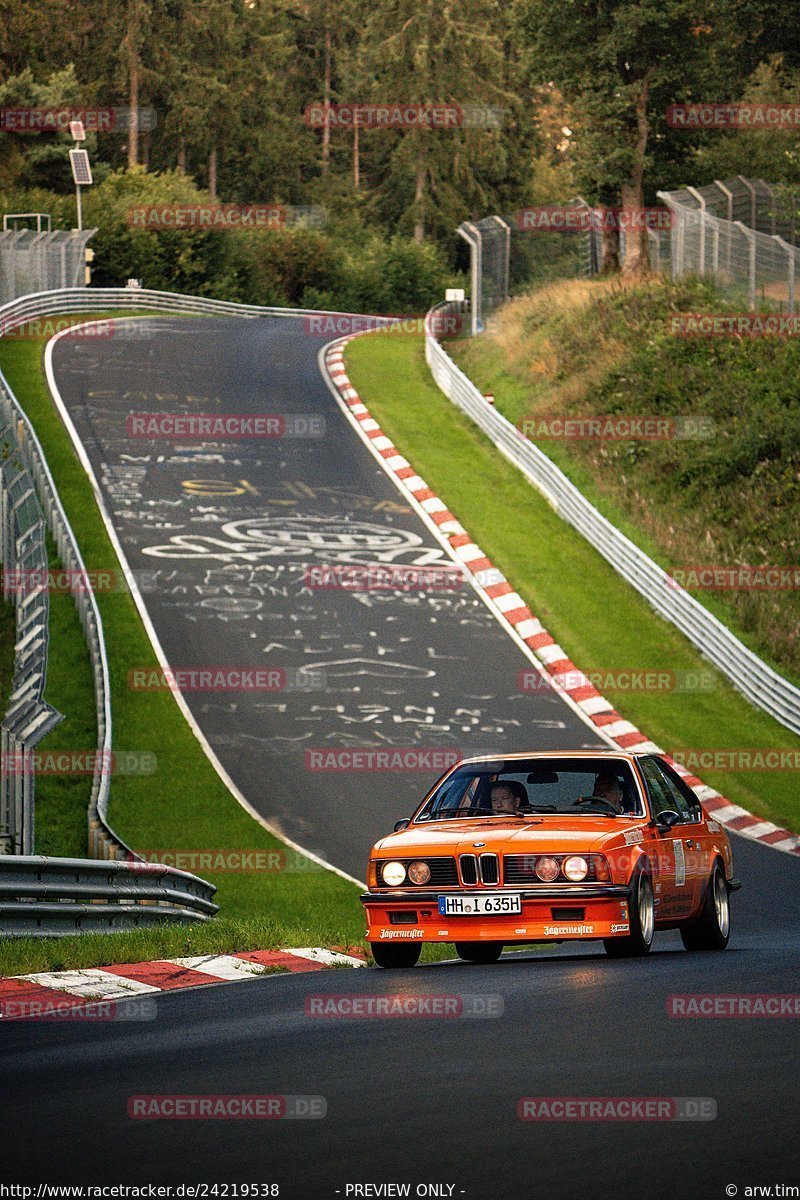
[{"x": 342, "y": 268}]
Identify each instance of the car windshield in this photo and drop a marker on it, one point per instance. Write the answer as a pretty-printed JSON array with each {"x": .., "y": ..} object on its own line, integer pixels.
[{"x": 524, "y": 787}]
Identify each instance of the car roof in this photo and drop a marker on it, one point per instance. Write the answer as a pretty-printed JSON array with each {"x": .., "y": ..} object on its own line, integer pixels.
[{"x": 517, "y": 755}]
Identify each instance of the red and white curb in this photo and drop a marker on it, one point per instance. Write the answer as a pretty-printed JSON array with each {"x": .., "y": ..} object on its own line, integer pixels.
[
  {"x": 50, "y": 992},
  {"x": 511, "y": 609}
]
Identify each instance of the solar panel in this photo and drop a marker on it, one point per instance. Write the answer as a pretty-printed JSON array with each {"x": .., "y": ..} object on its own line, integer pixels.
[{"x": 81, "y": 169}]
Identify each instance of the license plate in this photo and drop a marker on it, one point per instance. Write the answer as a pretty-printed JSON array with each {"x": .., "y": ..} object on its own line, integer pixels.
[{"x": 486, "y": 905}]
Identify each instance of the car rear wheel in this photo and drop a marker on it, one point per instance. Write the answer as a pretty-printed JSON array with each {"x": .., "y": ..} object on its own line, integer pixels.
[
  {"x": 405, "y": 955},
  {"x": 479, "y": 952},
  {"x": 713, "y": 929},
  {"x": 643, "y": 922}
]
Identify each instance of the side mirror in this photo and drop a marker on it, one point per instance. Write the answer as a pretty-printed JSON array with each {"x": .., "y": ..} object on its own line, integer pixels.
[
  {"x": 668, "y": 818},
  {"x": 404, "y": 824}
]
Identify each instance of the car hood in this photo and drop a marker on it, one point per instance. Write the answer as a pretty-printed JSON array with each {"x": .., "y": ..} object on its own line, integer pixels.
[{"x": 537, "y": 835}]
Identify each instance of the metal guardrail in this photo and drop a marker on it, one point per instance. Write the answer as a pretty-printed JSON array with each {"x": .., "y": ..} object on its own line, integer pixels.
[
  {"x": 762, "y": 686},
  {"x": 55, "y": 896},
  {"x": 43, "y": 901},
  {"x": 103, "y": 841}
]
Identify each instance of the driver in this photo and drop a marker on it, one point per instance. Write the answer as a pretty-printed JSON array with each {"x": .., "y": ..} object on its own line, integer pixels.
[
  {"x": 507, "y": 797},
  {"x": 607, "y": 787}
]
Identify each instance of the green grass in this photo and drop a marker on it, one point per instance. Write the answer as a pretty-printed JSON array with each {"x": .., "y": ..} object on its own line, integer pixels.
[
  {"x": 584, "y": 348},
  {"x": 184, "y": 805},
  {"x": 602, "y": 623},
  {"x": 222, "y": 936}
]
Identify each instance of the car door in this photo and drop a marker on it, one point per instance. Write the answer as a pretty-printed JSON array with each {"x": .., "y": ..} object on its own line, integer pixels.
[
  {"x": 675, "y": 889},
  {"x": 693, "y": 826}
]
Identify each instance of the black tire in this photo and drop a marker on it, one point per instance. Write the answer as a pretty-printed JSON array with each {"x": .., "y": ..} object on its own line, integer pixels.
[
  {"x": 405, "y": 955},
  {"x": 712, "y": 930},
  {"x": 642, "y": 922},
  {"x": 479, "y": 952}
]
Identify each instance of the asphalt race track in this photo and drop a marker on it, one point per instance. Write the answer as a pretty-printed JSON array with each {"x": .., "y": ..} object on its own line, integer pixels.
[
  {"x": 435, "y": 1100},
  {"x": 227, "y": 533},
  {"x": 416, "y": 1101}
]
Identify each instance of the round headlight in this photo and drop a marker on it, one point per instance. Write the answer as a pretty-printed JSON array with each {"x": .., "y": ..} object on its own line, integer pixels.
[
  {"x": 576, "y": 868},
  {"x": 393, "y": 874},
  {"x": 419, "y": 872},
  {"x": 547, "y": 869}
]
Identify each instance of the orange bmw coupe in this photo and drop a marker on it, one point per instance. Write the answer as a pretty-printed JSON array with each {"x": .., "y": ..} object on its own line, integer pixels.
[{"x": 547, "y": 847}]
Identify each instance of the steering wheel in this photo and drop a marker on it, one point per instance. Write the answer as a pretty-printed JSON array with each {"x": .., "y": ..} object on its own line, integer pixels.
[{"x": 595, "y": 800}]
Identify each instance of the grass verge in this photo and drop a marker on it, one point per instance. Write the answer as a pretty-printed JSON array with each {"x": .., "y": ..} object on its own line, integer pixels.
[
  {"x": 182, "y": 806},
  {"x": 729, "y": 498},
  {"x": 603, "y": 624}
]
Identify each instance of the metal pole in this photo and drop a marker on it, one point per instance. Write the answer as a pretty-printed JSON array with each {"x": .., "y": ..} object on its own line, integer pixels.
[
  {"x": 507, "y": 256},
  {"x": 702, "y": 202},
  {"x": 464, "y": 231},
  {"x": 752, "y": 192},
  {"x": 80, "y": 211},
  {"x": 791, "y": 252},
  {"x": 751, "y": 288},
  {"x": 728, "y": 232}
]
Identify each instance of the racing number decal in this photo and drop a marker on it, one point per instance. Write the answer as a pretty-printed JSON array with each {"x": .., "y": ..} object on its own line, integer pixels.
[{"x": 680, "y": 864}]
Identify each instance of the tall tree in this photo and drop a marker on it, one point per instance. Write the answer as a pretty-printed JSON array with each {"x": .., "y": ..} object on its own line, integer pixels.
[
  {"x": 433, "y": 53},
  {"x": 619, "y": 64}
]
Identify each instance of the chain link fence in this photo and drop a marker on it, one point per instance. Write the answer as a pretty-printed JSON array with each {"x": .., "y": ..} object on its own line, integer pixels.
[
  {"x": 41, "y": 262},
  {"x": 28, "y": 718},
  {"x": 510, "y": 254},
  {"x": 741, "y": 234}
]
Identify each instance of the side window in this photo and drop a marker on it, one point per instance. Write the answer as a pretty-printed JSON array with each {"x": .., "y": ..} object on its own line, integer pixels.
[
  {"x": 683, "y": 789},
  {"x": 660, "y": 798},
  {"x": 677, "y": 800}
]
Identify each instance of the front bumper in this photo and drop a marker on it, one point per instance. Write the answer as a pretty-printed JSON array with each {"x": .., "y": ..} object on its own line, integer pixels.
[{"x": 549, "y": 913}]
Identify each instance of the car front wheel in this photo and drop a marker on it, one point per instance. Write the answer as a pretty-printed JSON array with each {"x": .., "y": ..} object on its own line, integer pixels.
[
  {"x": 642, "y": 920},
  {"x": 406, "y": 955},
  {"x": 713, "y": 929}
]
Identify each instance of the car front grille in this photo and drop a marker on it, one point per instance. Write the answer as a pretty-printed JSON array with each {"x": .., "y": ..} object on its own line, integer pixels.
[
  {"x": 483, "y": 868},
  {"x": 490, "y": 869}
]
